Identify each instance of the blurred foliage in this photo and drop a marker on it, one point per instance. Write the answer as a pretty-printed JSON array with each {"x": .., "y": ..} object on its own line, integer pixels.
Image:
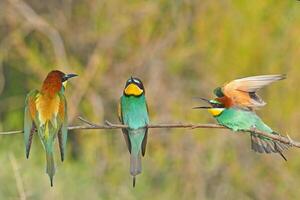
[{"x": 181, "y": 50}]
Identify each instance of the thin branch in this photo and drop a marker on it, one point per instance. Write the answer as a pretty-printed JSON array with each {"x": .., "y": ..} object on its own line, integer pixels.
[
  {"x": 11, "y": 132},
  {"x": 108, "y": 125}
]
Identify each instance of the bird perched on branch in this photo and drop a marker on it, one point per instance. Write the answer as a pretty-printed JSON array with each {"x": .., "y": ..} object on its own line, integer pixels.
[
  {"x": 46, "y": 113},
  {"x": 234, "y": 108},
  {"x": 133, "y": 111}
]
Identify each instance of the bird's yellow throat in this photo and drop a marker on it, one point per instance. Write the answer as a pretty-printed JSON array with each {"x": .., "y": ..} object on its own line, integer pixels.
[
  {"x": 216, "y": 111},
  {"x": 133, "y": 89},
  {"x": 65, "y": 84}
]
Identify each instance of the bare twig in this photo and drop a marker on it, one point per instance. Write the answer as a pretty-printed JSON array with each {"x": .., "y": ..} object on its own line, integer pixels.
[
  {"x": 11, "y": 132},
  {"x": 109, "y": 125},
  {"x": 18, "y": 177}
]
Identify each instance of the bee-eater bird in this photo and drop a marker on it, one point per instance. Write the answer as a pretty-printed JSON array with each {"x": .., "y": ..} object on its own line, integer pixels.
[
  {"x": 133, "y": 111},
  {"x": 234, "y": 108},
  {"x": 46, "y": 112}
]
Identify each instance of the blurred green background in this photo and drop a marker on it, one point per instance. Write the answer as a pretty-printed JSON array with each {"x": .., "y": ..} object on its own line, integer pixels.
[{"x": 181, "y": 50}]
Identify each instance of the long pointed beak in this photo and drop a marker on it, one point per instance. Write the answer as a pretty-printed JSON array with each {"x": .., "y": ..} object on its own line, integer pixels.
[
  {"x": 203, "y": 107},
  {"x": 204, "y": 99},
  {"x": 71, "y": 75},
  {"x": 68, "y": 76}
]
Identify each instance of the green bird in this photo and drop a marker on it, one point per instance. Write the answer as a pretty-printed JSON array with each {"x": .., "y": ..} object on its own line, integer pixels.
[
  {"x": 46, "y": 112},
  {"x": 133, "y": 112},
  {"x": 235, "y": 107}
]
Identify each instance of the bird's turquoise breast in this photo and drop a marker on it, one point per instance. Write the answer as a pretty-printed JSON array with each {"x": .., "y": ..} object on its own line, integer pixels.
[
  {"x": 241, "y": 120},
  {"x": 135, "y": 115},
  {"x": 134, "y": 111}
]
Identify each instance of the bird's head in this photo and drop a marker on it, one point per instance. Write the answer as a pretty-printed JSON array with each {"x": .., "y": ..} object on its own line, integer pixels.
[
  {"x": 134, "y": 87},
  {"x": 65, "y": 79},
  {"x": 215, "y": 107},
  {"x": 56, "y": 81}
]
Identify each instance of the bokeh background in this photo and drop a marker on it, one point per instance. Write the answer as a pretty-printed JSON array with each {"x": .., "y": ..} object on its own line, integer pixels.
[{"x": 180, "y": 49}]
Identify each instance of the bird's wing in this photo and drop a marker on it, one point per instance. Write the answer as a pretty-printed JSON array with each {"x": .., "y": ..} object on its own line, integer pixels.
[
  {"x": 262, "y": 144},
  {"x": 144, "y": 143},
  {"x": 29, "y": 118},
  {"x": 243, "y": 91},
  {"x": 63, "y": 123},
  {"x": 124, "y": 130}
]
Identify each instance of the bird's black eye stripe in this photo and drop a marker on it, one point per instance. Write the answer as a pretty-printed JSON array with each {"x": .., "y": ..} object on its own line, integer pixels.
[
  {"x": 135, "y": 81},
  {"x": 128, "y": 82},
  {"x": 217, "y": 105}
]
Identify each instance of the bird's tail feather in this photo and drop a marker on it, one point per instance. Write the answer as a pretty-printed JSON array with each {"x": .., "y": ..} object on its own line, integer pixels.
[
  {"x": 263, "y": 145},
  {"x": 135, "y": 165},
  {"x": 50, "y": 169}
]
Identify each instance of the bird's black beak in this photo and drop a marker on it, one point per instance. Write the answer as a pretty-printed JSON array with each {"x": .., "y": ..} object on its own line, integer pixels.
[
  {"x": 203, "y": 107},
  {"x": 68, "y": 76}
]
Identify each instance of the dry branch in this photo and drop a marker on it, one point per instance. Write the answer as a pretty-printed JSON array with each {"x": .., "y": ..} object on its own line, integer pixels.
[{"x": 109, "y": 125}]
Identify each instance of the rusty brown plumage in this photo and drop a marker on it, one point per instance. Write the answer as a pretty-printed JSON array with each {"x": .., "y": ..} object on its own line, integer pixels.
[
  {"x": 53, "y": 83},
  {"x": 243, "y": 92}
]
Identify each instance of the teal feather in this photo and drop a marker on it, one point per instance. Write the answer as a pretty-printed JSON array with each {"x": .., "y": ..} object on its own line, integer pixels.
[
  {"x": 134, "y": 113},
  {"x": 239, "y": 120},
  {"x": 63, "y": 133},
  {"x": 245, "y": 120},
  {"x": 29, "y": 126}
]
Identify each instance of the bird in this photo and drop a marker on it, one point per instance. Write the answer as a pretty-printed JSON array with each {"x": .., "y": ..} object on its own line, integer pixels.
[
  {"x": 234, "y": 107},
  {"x": 46, "y": 114},
  {"x": 133, "y": 112}
]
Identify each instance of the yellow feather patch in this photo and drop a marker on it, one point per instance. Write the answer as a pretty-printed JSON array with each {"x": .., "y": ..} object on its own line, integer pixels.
[
  {"x": 46, "y": 131},
  {"x": 65, "y": 84},
  {"x": 133, "y": 89},
  {"x": 47, "y": 108},
  {"x": 216, "y": 111}
]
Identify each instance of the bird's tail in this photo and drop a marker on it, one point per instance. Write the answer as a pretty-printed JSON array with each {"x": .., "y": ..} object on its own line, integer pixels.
[
  {"x": 264, "y": 145},
  {"x": 135, "y": 165},
  {"x": 50, "y": 169}
]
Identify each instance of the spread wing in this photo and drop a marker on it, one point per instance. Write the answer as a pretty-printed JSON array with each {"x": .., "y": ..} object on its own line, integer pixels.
[
  {"x": 29, "y": 118},
  {"x": 63, "y": 123},
  {"x": 125, "y": 132},
  {"x": 242, "y": 92}
]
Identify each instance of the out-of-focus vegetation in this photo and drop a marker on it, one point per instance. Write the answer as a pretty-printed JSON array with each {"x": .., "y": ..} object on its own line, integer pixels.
[{"x": 181, "y": 50}]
